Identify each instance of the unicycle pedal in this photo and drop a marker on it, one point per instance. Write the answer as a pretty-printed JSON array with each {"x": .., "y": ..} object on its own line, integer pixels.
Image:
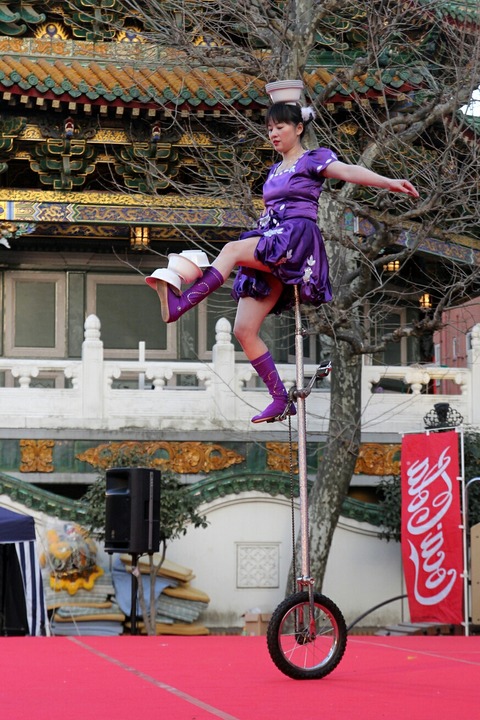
[{"x": 289, "y": 411}]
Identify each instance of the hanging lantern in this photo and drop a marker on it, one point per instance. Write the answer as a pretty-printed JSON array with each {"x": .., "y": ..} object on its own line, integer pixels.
[{"x": 139, "y": 238}]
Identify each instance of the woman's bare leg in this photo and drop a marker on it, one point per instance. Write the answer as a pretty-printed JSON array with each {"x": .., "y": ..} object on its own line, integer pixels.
[
  {"x": 238, "y": 252},
  {"x": 250, "y": 316},
  {"x": 251, "y": 312}
]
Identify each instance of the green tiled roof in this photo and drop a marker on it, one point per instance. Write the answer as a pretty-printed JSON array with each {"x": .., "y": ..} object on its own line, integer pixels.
[
  {"x": 171, "y": 85},
  {"x": 457, "y": 10}
]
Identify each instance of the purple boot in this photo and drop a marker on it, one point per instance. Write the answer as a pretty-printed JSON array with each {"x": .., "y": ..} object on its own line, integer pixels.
[
  {"x": 266, "y": 369},
  {"x": 174, "y": 305}
]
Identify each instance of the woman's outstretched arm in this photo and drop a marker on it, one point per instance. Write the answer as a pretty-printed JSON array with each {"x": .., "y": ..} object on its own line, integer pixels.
[{"x": 363, "y": 176}]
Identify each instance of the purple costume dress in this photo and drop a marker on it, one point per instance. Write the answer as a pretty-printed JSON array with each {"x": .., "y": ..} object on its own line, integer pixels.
[{"x": 290, "y": 243}]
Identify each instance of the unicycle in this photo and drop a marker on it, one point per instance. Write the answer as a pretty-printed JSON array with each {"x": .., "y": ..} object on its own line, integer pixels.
[{"x": 307, "y": 634}]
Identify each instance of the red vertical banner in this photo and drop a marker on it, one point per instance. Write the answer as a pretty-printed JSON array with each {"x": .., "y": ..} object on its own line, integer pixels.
[{"x": 432, "y": 545}]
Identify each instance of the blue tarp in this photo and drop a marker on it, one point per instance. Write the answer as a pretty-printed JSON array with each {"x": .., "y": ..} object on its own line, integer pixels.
[
  {"x": 15, "y": 527},
  {"x": 122, "y": 581}
]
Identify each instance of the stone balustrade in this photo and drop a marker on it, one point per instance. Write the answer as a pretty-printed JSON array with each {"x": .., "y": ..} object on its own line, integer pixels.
[{"x": 103, "y": 395}]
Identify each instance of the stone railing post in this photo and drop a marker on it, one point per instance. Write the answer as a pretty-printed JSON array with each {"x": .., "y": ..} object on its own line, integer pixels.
[
  {"x": 92, "y": 370},
  {"x": 24, "y": 373},
  {"x": 223, "y": 383},
  {"x": 473, "y": 402}
]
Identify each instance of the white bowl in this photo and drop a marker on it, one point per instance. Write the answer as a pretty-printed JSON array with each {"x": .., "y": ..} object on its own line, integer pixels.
[
  {"x": 187, "y": 269},
  {"x": 285, "y": 90},
  {"x": 172, "y": 278},
  {"x": 197, "y": 256}
]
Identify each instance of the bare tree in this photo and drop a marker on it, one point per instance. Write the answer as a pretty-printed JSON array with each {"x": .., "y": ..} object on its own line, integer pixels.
[{"x": 395, "y": 77}]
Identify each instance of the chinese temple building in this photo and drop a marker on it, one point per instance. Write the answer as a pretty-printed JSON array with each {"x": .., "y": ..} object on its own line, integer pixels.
[{"x": 114, "y": 152}]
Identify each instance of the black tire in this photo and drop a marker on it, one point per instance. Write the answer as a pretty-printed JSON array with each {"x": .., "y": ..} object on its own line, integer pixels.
[{"x": 294, "y": 648}]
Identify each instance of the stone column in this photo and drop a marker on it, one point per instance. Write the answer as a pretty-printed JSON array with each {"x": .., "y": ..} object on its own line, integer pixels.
[
  {"x": 223, "y": 385},
  {"x": 93, "y": 390}
]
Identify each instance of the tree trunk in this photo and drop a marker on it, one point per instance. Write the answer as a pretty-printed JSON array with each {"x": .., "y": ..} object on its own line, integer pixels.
[{"x": 339, "y": 457}]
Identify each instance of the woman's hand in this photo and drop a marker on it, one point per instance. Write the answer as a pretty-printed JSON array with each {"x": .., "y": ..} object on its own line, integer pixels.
[{"x": 402, "y": 186}]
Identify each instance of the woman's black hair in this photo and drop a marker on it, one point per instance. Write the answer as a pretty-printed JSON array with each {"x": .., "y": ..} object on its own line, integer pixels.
[{"x": 287, "y": 113}]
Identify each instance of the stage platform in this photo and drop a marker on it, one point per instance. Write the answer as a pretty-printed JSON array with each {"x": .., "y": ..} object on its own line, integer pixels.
[{"x": 233, "y": 678}]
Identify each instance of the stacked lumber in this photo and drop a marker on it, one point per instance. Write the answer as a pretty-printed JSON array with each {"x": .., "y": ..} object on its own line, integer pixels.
[{"x": 178, "y": 604}]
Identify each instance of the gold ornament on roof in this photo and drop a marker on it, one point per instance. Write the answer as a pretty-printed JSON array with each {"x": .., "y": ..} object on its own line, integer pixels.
[
  {"x": 51, "y": 31},
  {"x": 130, "y": 35},
  {"x": 348, "y": 128},
  {"x": 206, "y": 40}
]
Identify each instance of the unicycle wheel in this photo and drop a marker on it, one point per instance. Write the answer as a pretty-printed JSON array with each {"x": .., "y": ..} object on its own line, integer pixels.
[{"x": 303, "y": 645}]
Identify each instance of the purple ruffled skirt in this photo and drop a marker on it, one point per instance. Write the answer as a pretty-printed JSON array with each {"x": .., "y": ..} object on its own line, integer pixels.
[{"x": 293, "y": 249}]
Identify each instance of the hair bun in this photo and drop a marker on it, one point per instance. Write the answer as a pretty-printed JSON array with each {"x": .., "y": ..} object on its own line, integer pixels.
[{"x": 308, "y": 114}]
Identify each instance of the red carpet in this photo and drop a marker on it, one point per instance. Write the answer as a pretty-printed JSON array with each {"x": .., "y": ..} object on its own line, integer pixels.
[{"x": 233, "y": 678}]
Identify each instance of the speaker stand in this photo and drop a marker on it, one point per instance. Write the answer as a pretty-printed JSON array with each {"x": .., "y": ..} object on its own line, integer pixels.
[{"x": 134, "y": 592}]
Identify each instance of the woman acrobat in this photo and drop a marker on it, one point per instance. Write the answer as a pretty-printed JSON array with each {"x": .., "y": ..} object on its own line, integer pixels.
[{"x": 285, "y": 249}]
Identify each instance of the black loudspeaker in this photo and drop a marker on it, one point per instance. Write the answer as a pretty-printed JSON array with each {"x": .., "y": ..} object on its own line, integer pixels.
[{"x": 132, "y": 510}]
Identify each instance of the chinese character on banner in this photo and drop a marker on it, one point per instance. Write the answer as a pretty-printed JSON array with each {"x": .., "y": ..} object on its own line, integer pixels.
[{"x": 432, "y": 547}]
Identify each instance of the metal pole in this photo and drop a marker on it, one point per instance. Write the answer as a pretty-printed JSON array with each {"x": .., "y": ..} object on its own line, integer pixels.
[
  {"x": 133, "y": 596},
  {"x": 302, "y": 439},
  {"x": 467, "y": 565},
  {"x": 466, "y": 574}
]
